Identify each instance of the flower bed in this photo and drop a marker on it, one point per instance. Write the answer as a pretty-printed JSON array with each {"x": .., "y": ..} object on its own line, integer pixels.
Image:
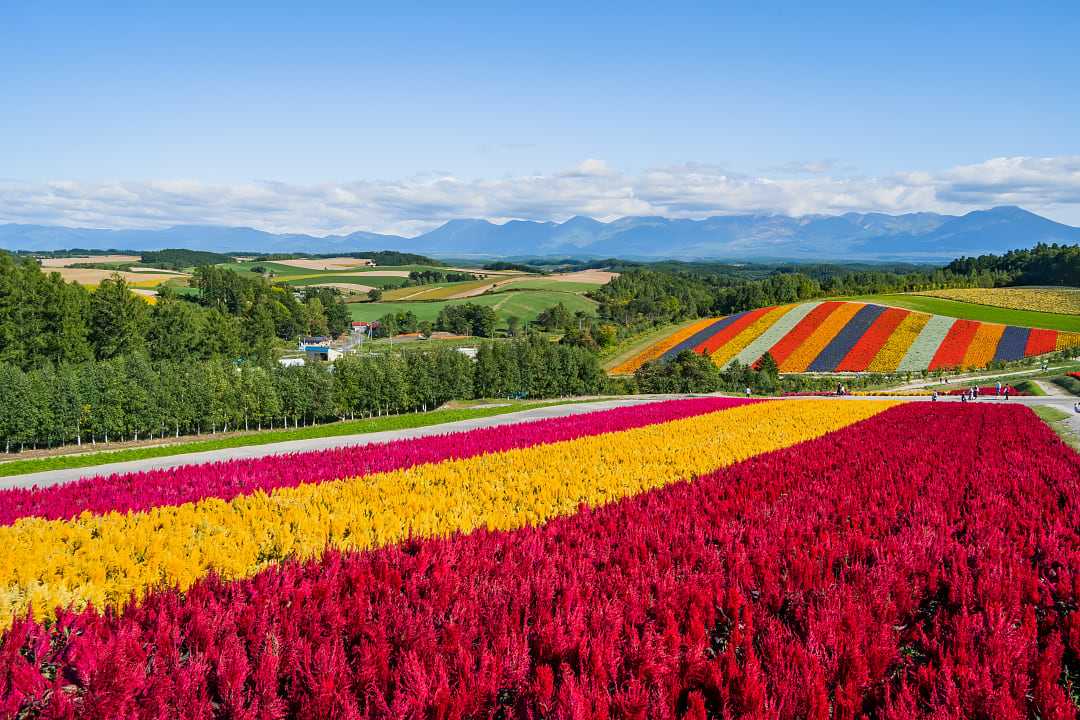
[
  {"x": 874, "y": 572},
  {"x": 108, "y": 559}
]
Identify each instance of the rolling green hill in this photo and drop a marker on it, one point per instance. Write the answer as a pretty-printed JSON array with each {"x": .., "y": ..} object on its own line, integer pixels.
[{"x": 524, "y": 304}]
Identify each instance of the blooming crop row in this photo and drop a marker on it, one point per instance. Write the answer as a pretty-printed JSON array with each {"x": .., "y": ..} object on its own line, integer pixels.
[
  {"x": 875, "y": 572},
  {"x": 1039, "y": 299},
  {"x": 226, "y": 480},
  {"x": 863, "y": 353},
  {"x": 856, "y": 337},
  {"x": 751, "y": 332},
  {"x": 108, "y": 559},
  {"x": 655, "y": 350}
]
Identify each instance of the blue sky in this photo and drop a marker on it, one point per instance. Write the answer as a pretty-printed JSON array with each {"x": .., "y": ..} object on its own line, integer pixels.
[{"x": 399, "y": 116}]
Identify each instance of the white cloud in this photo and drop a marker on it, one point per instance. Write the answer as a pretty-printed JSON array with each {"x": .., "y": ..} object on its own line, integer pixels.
[{"x": 411, "y": 205}]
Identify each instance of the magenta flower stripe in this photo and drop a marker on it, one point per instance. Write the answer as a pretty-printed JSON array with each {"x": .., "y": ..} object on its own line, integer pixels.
[{"x": 226, "y": 480}]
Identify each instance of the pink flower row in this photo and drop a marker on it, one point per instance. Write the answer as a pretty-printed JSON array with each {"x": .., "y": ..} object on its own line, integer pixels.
[
  {"x": 142, "y": 490},
  {"x": 874, "y": 572}
]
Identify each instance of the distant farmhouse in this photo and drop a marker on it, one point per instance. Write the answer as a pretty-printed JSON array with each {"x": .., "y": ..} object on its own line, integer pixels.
[{"x": 318, "y": 348}]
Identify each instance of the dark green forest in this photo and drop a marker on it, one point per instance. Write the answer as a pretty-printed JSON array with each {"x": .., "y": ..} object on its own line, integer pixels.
[{"x": 131, "y": 397}]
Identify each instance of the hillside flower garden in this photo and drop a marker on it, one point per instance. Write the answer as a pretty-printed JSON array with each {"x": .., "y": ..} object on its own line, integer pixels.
[
  {"x": 1055, "y": 300},
  {"x": 842, "y": 336},
  {"x": 699, "y": 558}
]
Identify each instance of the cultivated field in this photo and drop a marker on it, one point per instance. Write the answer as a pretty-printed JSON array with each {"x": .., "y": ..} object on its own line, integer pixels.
[
  {"x": 68, "y": 261},
  {"x": 337, "y": 263},
  {"x": 525, "y": 305},
  {"x": 975, "y": 311},
  {"x": 712, "y": 557},
  {"x": 354, "y": 288},
  {"x": 93, "y": 277},
  {"x": 1049, "y": 300},
  {"x": 838, "y": 336}
]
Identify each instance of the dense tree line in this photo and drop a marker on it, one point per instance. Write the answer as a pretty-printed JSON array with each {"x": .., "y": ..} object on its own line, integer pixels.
[
  {"x": 181, "y": 259},
  {"x": 129, "y": 397},
  {"x": 428, "y": 277},
  {"x": 691, "y": 372},
  {"x": 44, "y": 319},
  {"x": 379, "y": 257},
  {"x": 1041, "y": 265}
]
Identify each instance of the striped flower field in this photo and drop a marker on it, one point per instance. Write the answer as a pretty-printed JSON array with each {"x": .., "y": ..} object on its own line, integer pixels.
[
  {"x": 841, "y": 336},
  {"x": 700, "y": 558}
]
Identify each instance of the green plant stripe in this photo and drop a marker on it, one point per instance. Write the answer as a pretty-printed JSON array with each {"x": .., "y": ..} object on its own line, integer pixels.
[
  {"x": 922, "y": 350},
  {"x": 760, "y": 345}
]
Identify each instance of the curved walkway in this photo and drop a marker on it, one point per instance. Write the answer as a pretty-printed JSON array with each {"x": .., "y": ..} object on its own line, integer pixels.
[{"x": 54, "y": 477}]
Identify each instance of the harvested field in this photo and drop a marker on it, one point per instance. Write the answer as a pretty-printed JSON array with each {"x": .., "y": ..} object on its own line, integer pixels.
[
  {"x": 68, "y": 261},
  {"x": 479, "y": 271},
  {"x": 335, "y": 263},
  {"x": 479, "y": 289},
  {"x": 145, "y": 269},
  {"x": 90, "y": 276},
  {"x": 346, "y": 287},
  {"x": 601, "y": 277}
]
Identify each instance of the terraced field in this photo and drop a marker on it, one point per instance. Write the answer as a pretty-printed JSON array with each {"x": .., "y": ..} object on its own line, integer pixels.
[{"x": 840, "y": 336}]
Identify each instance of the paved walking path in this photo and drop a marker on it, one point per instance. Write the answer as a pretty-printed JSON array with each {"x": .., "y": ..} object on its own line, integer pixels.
[{"x": 54, "y": 477}]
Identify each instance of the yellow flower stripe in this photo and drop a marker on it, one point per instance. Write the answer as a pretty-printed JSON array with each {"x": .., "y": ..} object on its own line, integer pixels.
[
  {"x": 896, "y": 347},
  {"x": 733, "y": 347},
  {"x": 660, "y": 347},
  {"x": 1066, "y": 340},
  {"x": 983, "y": 346},
  {"x": 106, "y": 559},
  {"x": 799, "y": 360},
  {"x": 1053, "y": 300}
]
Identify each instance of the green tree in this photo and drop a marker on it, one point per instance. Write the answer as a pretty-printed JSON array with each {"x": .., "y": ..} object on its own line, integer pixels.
[
  {"x": 118, "y": 319},
  {"x": 258, "y": 334},
  {"x": 177, "y": 331}
]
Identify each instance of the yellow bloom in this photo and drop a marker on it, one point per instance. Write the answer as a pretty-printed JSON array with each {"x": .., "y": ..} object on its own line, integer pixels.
[{"x": 105, "y": 559}]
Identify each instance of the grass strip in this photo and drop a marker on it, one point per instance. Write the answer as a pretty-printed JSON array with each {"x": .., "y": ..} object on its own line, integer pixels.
[
  {"x": 1030, "y": 387},
  {"x": 1055, "y": 418},
  {"x": 1068, "y": 383},
  {"x": 347, "y": 427}
]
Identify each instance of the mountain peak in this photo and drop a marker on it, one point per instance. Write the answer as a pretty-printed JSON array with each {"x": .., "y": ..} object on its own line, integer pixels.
[{"x": 920, "y": 235}]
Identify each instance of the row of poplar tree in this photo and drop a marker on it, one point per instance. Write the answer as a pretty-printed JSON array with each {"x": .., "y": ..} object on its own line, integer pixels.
[{"x": 131, "y": 397}]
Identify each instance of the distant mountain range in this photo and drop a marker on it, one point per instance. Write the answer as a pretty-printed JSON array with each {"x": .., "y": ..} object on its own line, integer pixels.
[{"x": 862, "y": 236}]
